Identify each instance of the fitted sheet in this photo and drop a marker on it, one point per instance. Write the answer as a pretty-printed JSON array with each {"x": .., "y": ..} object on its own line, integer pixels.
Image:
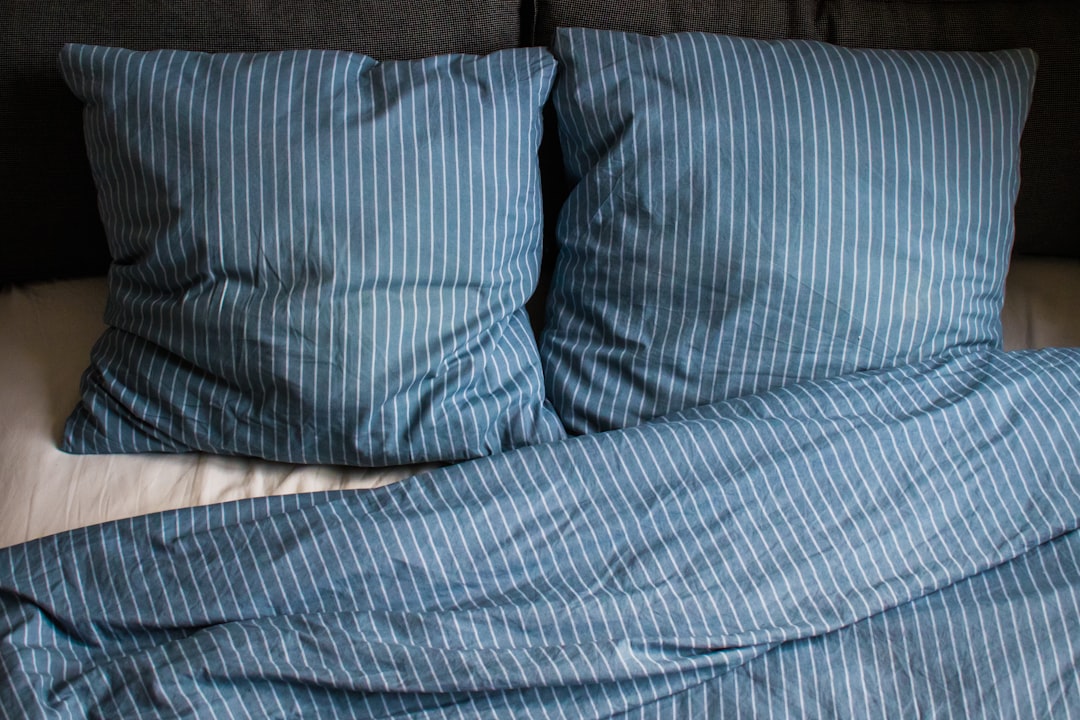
[
  {"x": 1042, "y": 304},
  {"x": 47, "y": 330}
]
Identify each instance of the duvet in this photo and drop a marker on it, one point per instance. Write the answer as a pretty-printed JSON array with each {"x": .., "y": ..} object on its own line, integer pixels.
[{"x": 900, "y": 542}]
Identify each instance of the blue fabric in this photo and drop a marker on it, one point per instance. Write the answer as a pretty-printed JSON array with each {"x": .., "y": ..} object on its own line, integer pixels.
[
  {"x": 317, "y": 258},
  {"x": 891, "y": 543},
  {"x": 750, "y": 213}
]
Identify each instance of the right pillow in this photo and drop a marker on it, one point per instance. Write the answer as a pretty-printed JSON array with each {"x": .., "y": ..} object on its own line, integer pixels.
[{"x": 749, "y": 213}]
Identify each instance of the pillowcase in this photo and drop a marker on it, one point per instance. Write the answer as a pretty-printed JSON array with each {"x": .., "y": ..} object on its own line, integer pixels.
[
  {"x": 749, "y": 213},
  {"x": 317, "y": 258},
  {"x": 46, "y": 187}
]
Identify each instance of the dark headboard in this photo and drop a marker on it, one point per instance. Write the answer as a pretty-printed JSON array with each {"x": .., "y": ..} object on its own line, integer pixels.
[{"x": 47, "y": 196}]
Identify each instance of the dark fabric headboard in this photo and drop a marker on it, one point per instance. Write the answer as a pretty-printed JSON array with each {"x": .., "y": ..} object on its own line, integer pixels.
[
  {"x": 47, "y": 197},
  {"x": 1048, "y": 207}
]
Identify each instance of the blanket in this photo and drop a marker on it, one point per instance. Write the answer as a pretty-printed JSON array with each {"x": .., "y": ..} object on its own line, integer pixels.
[{"x": 900, "y": 542}]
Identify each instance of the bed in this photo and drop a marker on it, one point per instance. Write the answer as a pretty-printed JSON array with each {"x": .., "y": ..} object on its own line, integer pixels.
[{"x": 540, "y": 361}]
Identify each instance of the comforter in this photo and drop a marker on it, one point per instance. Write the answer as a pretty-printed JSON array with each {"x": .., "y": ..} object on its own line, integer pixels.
[{"x": 898, "y": 542}]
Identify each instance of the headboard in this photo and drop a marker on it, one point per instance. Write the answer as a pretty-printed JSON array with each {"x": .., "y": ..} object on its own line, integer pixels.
[{"x": 47, "y": 195}]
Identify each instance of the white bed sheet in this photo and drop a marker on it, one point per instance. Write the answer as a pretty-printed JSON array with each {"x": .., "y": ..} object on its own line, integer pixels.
[
  {"x": 46, "y": 332},
  {"x": 1042, "y": 304}
]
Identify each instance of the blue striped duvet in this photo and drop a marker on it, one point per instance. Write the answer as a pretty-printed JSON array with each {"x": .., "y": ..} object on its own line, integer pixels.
[{"x": 894, "y": 543}]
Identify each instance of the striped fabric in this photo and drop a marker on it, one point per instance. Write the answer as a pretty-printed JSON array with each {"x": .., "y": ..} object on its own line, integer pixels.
[
  {"x": 894, "y": 543},
  {"x": 317, "y": 258},
  {"x": 751, "y": 213}
]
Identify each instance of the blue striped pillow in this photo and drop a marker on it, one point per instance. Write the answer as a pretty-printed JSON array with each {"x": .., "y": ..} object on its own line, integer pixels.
[
  {"x": 750, "y": 213},
  {"x": 318, "y": 258}
]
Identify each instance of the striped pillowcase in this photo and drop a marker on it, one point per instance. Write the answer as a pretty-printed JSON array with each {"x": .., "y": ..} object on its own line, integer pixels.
[
  {"x": 317, "y": 258},
  {"x": 751, "y": 213}
]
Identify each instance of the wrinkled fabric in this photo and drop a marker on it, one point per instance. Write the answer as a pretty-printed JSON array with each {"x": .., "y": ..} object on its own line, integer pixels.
[
  {"x": 746, "y": 214},
  {"x": 314, "y": 262},
  {"x": 900, "y": 541}
]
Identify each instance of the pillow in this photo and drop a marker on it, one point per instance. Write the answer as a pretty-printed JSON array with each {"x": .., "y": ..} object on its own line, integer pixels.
[
  {"x": 1047, "y": 213},
  {"x": 47, "y": 199},
  {"x": 317, "y": 258},
  {"x": 750, "y": 213}
]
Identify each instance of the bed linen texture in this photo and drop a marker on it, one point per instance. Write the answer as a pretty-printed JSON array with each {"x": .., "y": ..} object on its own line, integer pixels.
[
  {"x": 895, "y": 542},
  {"x": 749, "y": 213},
  {"x": 314, "y": 261},
  {"x": 47, "y": 330}
]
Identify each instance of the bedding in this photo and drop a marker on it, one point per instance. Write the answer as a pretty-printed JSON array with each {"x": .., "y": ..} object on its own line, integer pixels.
[
  {"x": 749, "y": 213},
  {"x": 895, "y": 541},
  {"x": 48, "y": 330},
  {"x": 1046, "y": 212},
  {"x": 46, "y": 188},
  {"x": 1042, "y": 304},
  {"x": 46, "y": 334},
  {"x": 850, "y": 539},
  {"x": 314, "y": 261}
]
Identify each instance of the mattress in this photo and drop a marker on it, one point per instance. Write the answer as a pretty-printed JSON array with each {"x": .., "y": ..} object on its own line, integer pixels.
[{"x": 47, "y": 330}]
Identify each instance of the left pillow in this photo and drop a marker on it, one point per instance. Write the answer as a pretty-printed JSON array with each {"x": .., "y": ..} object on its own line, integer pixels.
[{"x": 317, "y": 257}]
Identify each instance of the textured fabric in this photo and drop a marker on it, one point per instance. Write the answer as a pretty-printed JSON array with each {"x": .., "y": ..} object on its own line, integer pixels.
[
  {"x": 893, "y": 543},
  {"x": 46, "y": 332},
  {"x": 51, "y": 225},
  {"x": 1046, "y": 211},
  {"x": 749, "y": 213},
  {"x": 802, "y": 19},
  {"x": 317, "y": 257}
]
